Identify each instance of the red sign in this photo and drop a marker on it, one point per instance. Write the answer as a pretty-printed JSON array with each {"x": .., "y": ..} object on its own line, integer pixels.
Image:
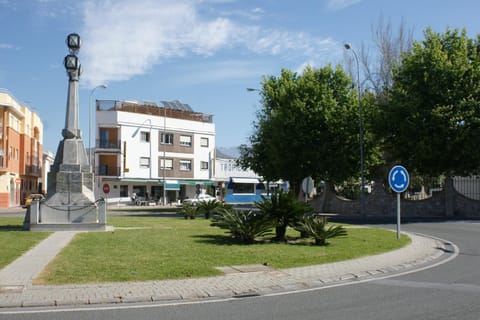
[{"x": 106, "y": 188}]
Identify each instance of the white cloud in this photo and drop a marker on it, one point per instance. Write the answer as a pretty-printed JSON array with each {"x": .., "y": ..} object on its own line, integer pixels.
[
  {"x": 124, "y": 38},
  {"x": 335, "y": 5},
  {"x": 8, "y": 46}
]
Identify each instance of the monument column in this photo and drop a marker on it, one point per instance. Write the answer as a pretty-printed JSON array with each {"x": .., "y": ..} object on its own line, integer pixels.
[{"x": 70, "y": 202}]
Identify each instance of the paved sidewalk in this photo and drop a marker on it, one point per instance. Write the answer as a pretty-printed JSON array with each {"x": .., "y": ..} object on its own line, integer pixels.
[{"x": 16, "y": 289}]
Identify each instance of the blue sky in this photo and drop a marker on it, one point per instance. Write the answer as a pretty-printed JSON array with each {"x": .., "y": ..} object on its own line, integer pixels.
[{"x": 201, "y": 52}]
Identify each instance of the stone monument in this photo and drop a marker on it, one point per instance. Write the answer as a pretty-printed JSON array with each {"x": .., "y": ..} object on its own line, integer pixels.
[{"x": 70, "y": 202}]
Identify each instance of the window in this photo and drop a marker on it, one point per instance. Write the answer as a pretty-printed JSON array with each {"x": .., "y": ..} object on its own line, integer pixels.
[
  {"x": 144, "y": 162},
  {"x": 166, "y": 138},
  {"x": 243, "y": 188},
  {"x": 168, "y": 164},
  {"x": 186, "y": 141},
  {"x": 203, "y": 142},
  {"x": 123, "y": 191},
  {"x": 204, "y": 165},
  {"x": 185, "y": 165},
  {"x": 145, "y": 136}
]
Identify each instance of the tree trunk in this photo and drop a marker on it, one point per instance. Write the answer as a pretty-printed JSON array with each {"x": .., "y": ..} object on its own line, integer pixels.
[
  {"x": 280, "y": 233},
  {"x": 325, "y": 198}
]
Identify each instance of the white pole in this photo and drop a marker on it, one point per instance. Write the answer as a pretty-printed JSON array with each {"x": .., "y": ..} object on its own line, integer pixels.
[
  {"x": 164, "y": 154},
  {"x": 398, "y": 215}
]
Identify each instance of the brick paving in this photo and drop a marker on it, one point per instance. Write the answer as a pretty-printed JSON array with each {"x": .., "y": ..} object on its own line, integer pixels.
[{"x": 17, "y": 290}]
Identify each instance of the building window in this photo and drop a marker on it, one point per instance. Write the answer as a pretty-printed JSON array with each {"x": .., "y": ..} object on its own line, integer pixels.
[
  {"x": 203, "y": 142},
  {"x": 144, "y": 162},
  {"x": 166, "y": 138},
  {"x": 123, "y": 191},
  {"x": 185, "y": 165},
  {"x": 186, "y": 141},
  {"x": 168, "y": 164},
  {"x": 145, "y": 136},
  {"x": 204, "y": 165},
  {"x": 243, "y": 188}
]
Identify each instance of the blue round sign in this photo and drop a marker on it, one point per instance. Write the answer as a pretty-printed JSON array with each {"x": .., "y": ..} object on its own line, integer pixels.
[{"x": 398, "y": 179}]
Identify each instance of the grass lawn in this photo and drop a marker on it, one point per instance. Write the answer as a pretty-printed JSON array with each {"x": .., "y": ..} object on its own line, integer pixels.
[
  {"x": 158, "y": 248},
  {"x": 14, "y": 241}
]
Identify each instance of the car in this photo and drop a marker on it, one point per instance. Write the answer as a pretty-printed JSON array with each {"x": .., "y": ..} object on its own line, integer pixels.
[
  {"x": 199, "y": 198},
  {"x": 33, "y": 196}
]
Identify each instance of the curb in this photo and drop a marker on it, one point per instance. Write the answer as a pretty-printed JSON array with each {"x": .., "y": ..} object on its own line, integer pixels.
[{"x": 424, "y": 252}]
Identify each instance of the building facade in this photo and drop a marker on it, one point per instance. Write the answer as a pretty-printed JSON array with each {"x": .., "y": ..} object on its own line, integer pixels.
[
  {"x": 149, "y": 152},
  {"x": 21, "y": 147}
]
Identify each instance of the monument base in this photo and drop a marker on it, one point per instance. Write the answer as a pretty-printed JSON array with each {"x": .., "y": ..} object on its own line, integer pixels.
[{"x": 43, "y": 217}]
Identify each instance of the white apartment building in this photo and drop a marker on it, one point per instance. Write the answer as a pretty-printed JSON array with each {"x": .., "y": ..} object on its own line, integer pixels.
[{"x": 152, "y": 151}]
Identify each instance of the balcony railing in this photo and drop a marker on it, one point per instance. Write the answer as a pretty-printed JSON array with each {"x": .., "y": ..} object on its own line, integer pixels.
[
  {"x": 108, "y": 144},
  {"x": 104, "y": 170}
]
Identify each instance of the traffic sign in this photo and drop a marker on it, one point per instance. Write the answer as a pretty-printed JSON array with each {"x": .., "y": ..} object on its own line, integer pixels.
[
  {"x": 398, "y": 179},
  {"x": 106, "y": 188},
  {"x": 307, "y": 185}
]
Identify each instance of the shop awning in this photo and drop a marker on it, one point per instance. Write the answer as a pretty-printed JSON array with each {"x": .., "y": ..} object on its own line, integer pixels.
[
  {"x": 195, "y": 182},
  {"x": 172, "y": 185},
  {"x": 245, "y": 180}
]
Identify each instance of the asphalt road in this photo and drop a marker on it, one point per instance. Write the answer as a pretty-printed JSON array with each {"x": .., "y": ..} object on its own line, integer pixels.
[{"x": 449, "y": 291}]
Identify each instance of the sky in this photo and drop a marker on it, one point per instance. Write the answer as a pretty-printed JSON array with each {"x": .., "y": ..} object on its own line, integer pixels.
[{"x": 202, "y": 52}]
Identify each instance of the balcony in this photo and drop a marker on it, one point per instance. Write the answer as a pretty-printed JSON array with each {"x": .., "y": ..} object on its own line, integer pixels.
[
  {"x": 105, "y": 170},
  {"x": 108, "y": 144}
]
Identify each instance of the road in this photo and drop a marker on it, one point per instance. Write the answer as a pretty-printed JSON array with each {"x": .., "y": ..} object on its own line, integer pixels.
[{"x": 449, "y": 291}]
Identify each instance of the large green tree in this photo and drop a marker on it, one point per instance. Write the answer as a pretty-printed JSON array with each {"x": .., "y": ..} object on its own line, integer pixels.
[
  {"x": 308, "y": 125},
  {"x": 432, "y": 120}
]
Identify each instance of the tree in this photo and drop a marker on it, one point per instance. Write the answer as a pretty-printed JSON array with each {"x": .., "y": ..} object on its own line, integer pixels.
[
  {"x": 432, "y": 121},
  {"x": 308, "y": 126},
  {"x": 389, "y": 46}
]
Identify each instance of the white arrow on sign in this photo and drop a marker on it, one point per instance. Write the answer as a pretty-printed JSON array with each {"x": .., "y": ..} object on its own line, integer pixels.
[{"x": 399, "y": 186}]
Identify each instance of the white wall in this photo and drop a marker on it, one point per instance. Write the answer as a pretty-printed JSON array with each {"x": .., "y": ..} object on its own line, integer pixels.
[{"x": 131, "y": 124}]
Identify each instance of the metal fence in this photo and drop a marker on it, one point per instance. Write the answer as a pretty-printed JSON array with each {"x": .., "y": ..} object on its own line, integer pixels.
[{"x": 423, "y": 187}]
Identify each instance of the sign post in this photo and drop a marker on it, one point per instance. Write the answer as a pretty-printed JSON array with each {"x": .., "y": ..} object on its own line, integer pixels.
[
  {"x": 106, "y": 190},
  {"x": 398, "y": 179}
]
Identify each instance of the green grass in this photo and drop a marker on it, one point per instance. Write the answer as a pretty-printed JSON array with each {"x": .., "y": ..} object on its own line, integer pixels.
[
  {"x": 14, "y": 241},
  {"x": 172, "y": 248}
]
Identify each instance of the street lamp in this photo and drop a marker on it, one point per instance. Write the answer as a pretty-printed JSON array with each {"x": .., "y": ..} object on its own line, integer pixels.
[
  {"x": 102, "y": 86},
  {"x": 164, "y": 200},
  {"x": 360, "y": 111}
]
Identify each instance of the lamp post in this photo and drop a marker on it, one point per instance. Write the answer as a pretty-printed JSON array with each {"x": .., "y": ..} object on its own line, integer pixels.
[
  {"x": 360, "y": 111},
  {"x": 164, "y": 201},
  {"x": 102, "y": 86}
]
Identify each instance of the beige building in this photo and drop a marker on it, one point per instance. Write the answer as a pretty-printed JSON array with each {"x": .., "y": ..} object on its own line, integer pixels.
[{"x": 21, "y": 147}]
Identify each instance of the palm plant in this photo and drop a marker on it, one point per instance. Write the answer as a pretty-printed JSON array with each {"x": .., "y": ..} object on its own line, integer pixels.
[
  {"x": 208, "y": 207},
  {"x": 284, "y": 210},
  {"x": 316, "y": 228},
  {"x": 245, "y": 225},
  {"x": 189, "y": 211}
]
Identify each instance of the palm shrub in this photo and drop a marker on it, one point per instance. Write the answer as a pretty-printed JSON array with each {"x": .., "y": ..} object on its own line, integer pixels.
[
  {"x": 284, "y": 210},
  {"x": 316, "y": 228},
  {"x": 189, "y": 211},
  {"x": 245, "y": 225},
  {"x": 208, "y": 207}
]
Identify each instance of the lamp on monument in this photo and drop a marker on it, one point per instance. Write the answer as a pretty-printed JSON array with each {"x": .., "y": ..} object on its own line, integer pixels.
[
  {"x": 74, "y": 42},
  {"x": 71, "y": 62}
]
